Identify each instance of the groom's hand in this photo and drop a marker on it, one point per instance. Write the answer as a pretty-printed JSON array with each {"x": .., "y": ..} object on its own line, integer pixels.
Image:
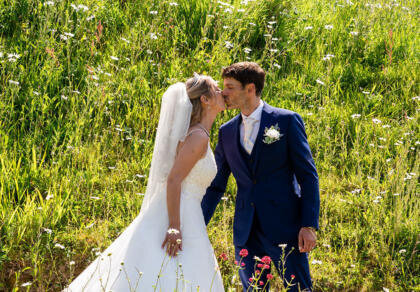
[{"x": 307, "y": 239}]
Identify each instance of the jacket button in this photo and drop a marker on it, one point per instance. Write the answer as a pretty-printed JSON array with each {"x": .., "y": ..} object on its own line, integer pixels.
[{"x": 252, "y": 204}]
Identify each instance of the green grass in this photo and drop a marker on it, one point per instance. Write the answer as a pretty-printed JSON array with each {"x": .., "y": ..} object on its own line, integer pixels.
[{"x": 76, "y": 132}]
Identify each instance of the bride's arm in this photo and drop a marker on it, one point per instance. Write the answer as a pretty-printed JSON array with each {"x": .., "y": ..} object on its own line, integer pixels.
[{"x": 193, "y": 148}]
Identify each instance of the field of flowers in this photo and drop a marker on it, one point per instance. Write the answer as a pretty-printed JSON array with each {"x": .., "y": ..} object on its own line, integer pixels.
[{"x": 80, "y": 93}]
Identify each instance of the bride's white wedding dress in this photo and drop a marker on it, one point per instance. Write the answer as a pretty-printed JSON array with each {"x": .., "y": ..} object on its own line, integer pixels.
[{"x": 135, "y": 261}]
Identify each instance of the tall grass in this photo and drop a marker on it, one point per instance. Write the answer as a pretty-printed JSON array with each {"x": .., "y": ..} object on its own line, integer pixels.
[{"x": 79, "y": 104}]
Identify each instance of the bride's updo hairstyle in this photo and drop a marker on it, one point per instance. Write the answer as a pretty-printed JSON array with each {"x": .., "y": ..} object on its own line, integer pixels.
[{"x": 196, "y": 87}]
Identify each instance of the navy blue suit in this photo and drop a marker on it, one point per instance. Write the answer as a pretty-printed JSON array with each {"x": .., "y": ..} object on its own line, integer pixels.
[{"x": 278, "y": 191}]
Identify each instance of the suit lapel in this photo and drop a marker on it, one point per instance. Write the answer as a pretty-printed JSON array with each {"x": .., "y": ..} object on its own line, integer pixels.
[{"x": 265, "y": 123}]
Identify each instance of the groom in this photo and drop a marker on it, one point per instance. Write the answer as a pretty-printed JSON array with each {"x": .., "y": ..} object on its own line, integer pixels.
[{"x": 277, "y": 204}]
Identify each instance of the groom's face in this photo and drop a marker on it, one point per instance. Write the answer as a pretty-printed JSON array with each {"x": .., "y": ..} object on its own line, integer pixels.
[{"x": 233, "y": 93}]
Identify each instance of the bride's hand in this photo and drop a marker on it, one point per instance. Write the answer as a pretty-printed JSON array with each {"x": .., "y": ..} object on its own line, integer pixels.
[{"x": 173, "y": 242}]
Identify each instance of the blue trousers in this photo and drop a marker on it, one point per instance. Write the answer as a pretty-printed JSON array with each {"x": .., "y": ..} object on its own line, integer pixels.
[{"x": 294, "y": 268}]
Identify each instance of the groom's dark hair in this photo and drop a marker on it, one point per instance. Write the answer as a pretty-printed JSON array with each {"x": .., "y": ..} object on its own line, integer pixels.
[{"x": 246, "y": 73}]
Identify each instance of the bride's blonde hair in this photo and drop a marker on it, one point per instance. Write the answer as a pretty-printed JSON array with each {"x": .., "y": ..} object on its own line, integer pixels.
[{"x": 196, "y": 87}]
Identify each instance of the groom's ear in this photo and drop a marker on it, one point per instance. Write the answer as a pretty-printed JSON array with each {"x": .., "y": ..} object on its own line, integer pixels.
[{"x": 250, "y": 88}]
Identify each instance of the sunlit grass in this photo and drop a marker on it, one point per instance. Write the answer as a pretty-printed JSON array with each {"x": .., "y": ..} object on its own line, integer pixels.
[{"x": 79, "y": 102}]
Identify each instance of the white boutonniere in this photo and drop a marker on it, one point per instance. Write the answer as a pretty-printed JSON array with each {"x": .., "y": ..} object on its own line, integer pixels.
[{"x": 272, "y": 134}]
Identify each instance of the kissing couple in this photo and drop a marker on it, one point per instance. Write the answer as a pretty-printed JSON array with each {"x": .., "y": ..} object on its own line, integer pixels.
[{"x": 166, "y": 247}]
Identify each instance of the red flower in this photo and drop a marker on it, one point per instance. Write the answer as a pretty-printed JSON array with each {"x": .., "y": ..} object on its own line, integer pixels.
[
  {"x": 251, "y": 279},
  {"x": 261, "y": 283},
  {"x": 223, "y": 256},
  {"x": 266, "y": 267},
  {"x": 266, "y": 260},
  {"x": 292, "y": 276},
  {"x": 260, "y": 266},
  {"x": 242, "y": 264},
  {"x": 243, "y": 252},
  {"x": 257, "y": 272},
  {"x": 269, "y": 277},
  {"x": 236, "y": 262}
]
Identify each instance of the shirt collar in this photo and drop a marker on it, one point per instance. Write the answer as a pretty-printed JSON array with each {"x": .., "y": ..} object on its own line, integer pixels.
[{"x": 256, "y": 114}]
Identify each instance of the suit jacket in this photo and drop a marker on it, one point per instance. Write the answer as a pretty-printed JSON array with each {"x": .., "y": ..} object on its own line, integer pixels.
[{"x": 279, "y": 184}]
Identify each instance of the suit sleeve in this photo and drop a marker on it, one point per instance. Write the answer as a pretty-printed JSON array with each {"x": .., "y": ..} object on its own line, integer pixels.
[
  {"x": 304, "y": 168},
  {"x": 218, "y": 187}
]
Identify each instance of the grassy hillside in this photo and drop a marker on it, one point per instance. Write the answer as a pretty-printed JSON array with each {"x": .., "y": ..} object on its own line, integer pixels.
[{"x": 80, "y": 96}]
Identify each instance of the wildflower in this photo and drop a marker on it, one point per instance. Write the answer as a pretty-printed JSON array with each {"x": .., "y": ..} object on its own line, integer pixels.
[
  {"x": 396, "y": 194},
  {"x": 242, "y": 264},
  {"x": 416, "y": 98},
  {"x": 140, "y": 194},
  {"x": 89, "y": 18},
  {"x": 59, "y": 246},
  {"x": 272, "y": 22},
  {"x": 228, "y": 45},
  {"x": 260, "y": 266},
  {"x": 376, "y": 121},
  {"x": 64, "y": 97},
  {"x": 320, "y": 82},
  {"x": 90, "y": 225},
  {"x": 111, "y": 167},
  {"x": 375, "y": 201},
  {"x": 269, "y": 277},
  {"x": 277, "y": 65},
  {"x": 153, "y": 12},
  {"x": 49, "y": 231},
  {"x": 274, "y": 50},
  {"x": 125, "y": 40},
  {"x": 236, "y": 262},
  {"x": 292, "y": 276},
  {"x": 223, "y": 256},
  {"x": 140, "y": 175},
  {"x": 328, "y": 57},
  {"x": 309, "y": 27},
  {"x": 26, "y": 284},
  {"x": 355, "y": 116},
  {"x": 48, "y": 197},
  {"x": 247, "y": 50},
  {"x": 72, "y": 263},
  {"x": 385, "y": 289},
  {"x": 95, "y": 198},
  {"x": 153, "y": 36},
  {"x": 49, "y": 3},
  {"x": 173, "y": 4},
  {"x": 266, "y": 260},
  {"x": 114, "y": 58},
  {"x": 283, "y": 245},
  {"x": 402, "y": 251},
  {"x": 252, "y": 24},
  {"x": 243, "y": 253},
  {"x": 251, "y": 279},
  {"x": 328, "y": 26},
  {"x": 14, "y": 82},
  {"x": 266, "y": 267},
  {"x": 354, "y": 33},
  {"x": 267, "y": 35},
  {"x": 316, "y": 262},
  {"x": 257, "y": 272},
  {"x": 224, "y": 198},
  {"x": 241, "y": 10},
  {"x": 261, "y": 283}
]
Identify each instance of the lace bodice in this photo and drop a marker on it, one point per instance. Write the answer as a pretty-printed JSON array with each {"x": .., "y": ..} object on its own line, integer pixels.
[{"x": 200, "y": 176}]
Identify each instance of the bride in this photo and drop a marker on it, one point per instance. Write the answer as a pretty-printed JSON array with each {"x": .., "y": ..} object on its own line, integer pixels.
[{"x": 166, "y": 247}]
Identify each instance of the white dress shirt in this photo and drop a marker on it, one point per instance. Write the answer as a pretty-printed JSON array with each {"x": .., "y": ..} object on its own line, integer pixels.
[{"x": 249, "y": 128}]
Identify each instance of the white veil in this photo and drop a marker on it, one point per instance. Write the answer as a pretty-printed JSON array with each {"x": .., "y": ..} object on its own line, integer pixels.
[{"x": 174, "y": 121}]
